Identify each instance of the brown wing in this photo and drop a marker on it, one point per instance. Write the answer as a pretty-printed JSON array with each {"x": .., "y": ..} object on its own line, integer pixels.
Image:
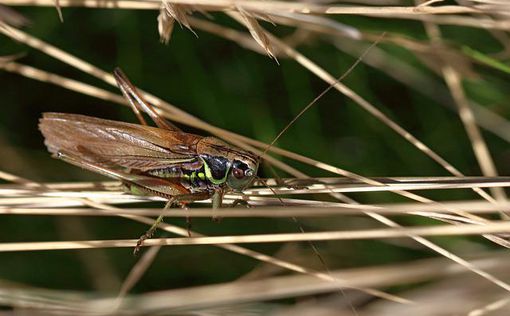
[{"x": 116, "y": 143}]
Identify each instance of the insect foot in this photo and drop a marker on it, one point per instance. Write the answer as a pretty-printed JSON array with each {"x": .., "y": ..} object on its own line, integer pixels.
[
  {"x": 148, "y": 234},
  {"x": 241, "y": 202}
]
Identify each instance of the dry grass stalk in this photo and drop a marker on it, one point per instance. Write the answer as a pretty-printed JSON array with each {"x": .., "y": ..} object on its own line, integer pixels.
[
  {"x": 321, "y": 73},
  {"x": 267, "y": 41},
  {"x": 493, "y": 227},
  {"x": 236, "y": 292},
  {"x": 453, "y": 80},
  {"x": 169, "y": 13},
  {"x": 339, "y": 283}
]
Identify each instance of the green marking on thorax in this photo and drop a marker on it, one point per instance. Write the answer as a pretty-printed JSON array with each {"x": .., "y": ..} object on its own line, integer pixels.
[{"x": 210, "y": 177}]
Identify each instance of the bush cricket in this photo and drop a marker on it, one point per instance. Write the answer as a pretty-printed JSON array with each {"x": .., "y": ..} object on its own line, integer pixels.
[{"x": 162, "y": 161}]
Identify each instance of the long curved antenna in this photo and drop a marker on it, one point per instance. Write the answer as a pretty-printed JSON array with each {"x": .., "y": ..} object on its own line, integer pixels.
[{"x": 345, "y": 74}]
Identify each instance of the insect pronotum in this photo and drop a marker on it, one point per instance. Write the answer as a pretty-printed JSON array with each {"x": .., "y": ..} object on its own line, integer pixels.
[{"x": 162, "y": 160}]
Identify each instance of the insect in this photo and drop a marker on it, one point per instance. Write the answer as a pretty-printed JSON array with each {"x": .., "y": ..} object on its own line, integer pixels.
[{"x": 162, "y": 161}]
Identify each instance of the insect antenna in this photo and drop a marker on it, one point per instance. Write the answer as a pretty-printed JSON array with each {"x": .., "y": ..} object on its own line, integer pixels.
[
  {"x": 332, "y": 85},
  {"x": 280, "y": 134}
]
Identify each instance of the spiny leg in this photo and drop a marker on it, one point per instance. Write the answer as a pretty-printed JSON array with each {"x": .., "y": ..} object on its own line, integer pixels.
[
  {"x": 179, "y": 198},
  {"x": 148, "y": 234}
]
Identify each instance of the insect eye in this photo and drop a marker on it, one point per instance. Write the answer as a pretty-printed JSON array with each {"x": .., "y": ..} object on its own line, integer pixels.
[{"x": 238, "y": 173}]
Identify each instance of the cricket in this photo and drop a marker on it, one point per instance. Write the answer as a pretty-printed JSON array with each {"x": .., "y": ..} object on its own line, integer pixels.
[{"x": 160, "y": 161}]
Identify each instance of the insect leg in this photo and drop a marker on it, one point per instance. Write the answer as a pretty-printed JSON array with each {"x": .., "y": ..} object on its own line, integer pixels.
[
  {"x": 241, "y": 202},
  {"x": 217, "y": 201},
  {"x": 178, "y": 198},
  {"x": 148, "y": 234},
  {"x": 138, "y": 103},
  {"x": 188, "y": 219}
]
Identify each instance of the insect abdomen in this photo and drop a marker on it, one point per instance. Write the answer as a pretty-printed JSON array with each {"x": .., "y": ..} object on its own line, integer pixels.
[
  {"x": 195, "y": 180},
  {"x": 171, "y": 172},
  {"x": 198, "y": 176},
  {"x": 192, "y": 179}
]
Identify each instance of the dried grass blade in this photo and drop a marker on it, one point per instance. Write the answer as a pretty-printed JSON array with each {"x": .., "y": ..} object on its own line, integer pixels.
[
  {"x": 250, "y": 253},
  {"x": 489, "y": 308},
  {"x": 453, "y": 81},
  {"x": 225, "y": 294},
  {"x": 399, "y": 232},
  {"x": 169, "y": 13},
  {"x": 256, "y": 31},
  {"x": 425, "y": 84},
  {"x": 429, "y": 210},
  {"x": 9, "y": 16},
  {"x": 59, "y": 10},
  {"x": 436, "y": 250}
]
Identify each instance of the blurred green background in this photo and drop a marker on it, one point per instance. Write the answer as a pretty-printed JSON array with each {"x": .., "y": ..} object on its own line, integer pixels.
[{"x": 250, "y": 94}]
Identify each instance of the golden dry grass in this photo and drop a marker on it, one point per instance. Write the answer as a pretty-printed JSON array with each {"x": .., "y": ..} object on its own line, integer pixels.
[{"x": 25, "y": 197}]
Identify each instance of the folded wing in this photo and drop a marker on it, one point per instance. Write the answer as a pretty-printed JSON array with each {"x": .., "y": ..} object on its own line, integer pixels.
[{"x": 114, "y": 143}]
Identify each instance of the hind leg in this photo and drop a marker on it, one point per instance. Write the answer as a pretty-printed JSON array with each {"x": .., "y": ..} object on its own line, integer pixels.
[
  {"x": 176, "y": 199},
  {"x": 148, "y": 234}
]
